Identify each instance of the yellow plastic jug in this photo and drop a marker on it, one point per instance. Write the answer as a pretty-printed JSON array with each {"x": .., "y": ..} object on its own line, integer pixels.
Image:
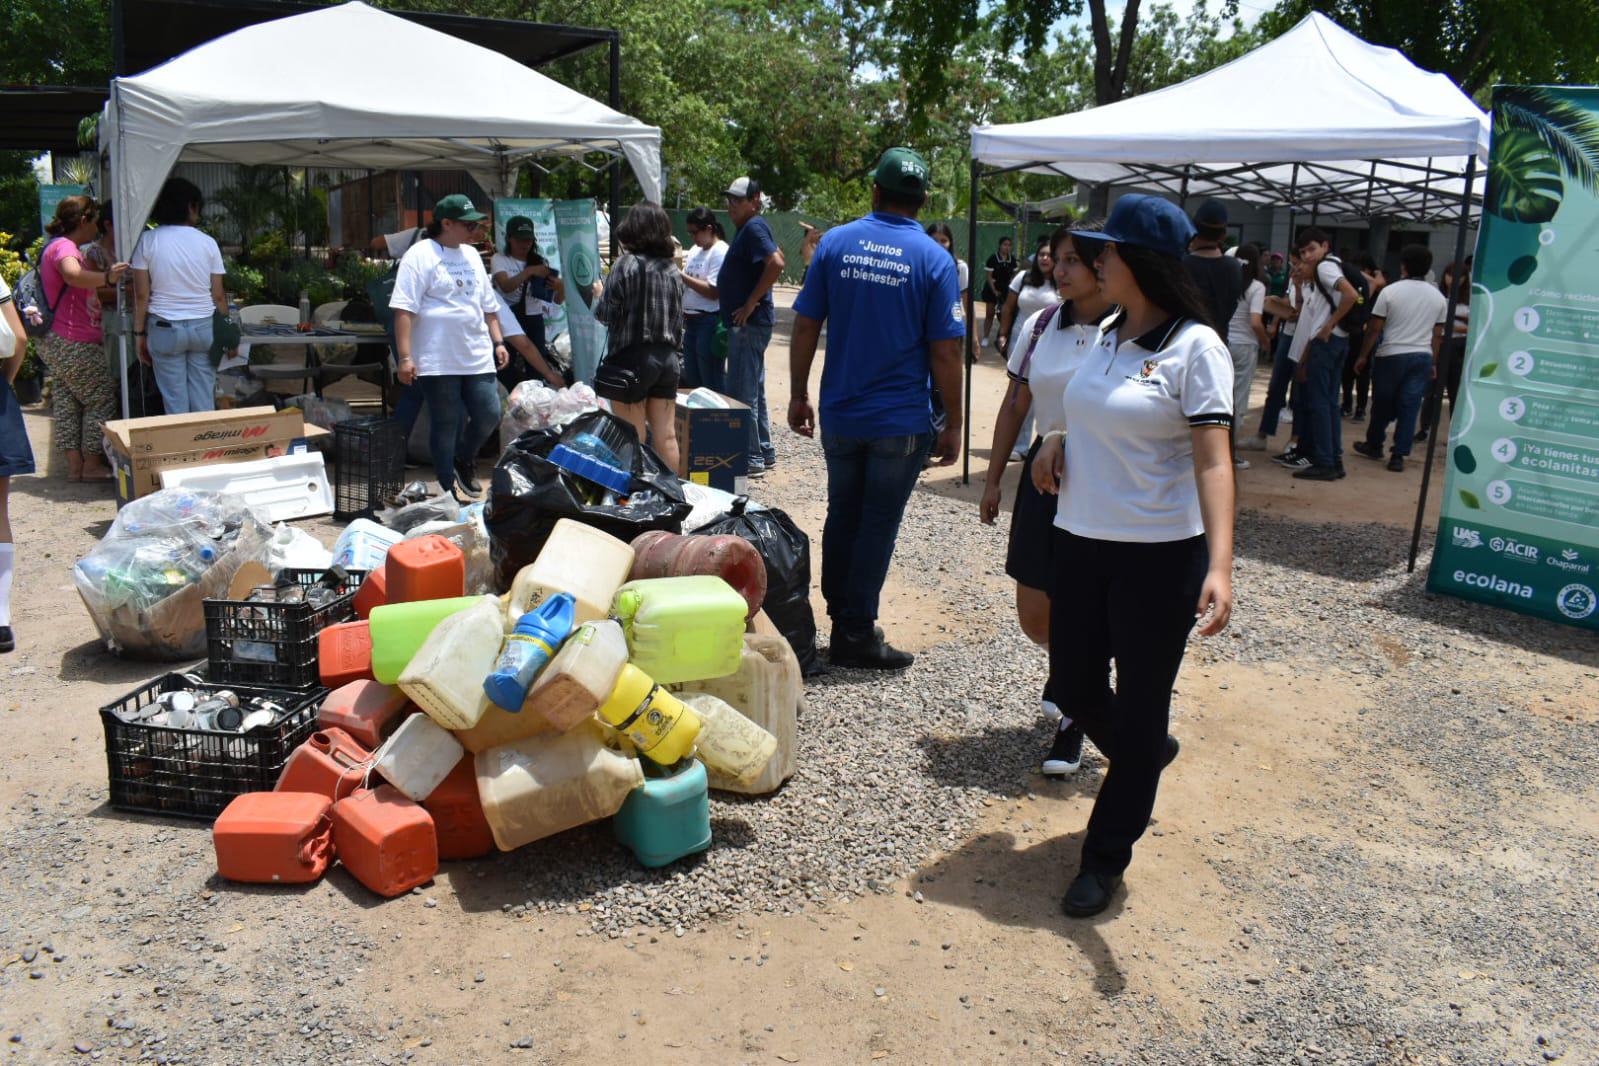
[
  {"x": 445, "y": 676},
  {"x": 580, "y": 677},
  {"x": 539, "y": 786},
  {"x": 767, "y": 690},
  {"x": 734, "y": 746},
  {"x": 682, "y": 628},
  {"x": 582, "y": 560},
  {"x": 657, "y": 723}
]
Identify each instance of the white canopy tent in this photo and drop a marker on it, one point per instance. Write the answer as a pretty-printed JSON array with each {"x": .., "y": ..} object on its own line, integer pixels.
[
  {"x": 1316, "y": 120},
  {"x": 304, "y": 91}
]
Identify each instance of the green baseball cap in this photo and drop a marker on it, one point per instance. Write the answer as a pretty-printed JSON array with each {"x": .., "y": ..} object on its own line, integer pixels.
[
  {"x": 901, "y": 170},
  {"x": 458, "y": 207},
  {"x": 520, "y": 227}
]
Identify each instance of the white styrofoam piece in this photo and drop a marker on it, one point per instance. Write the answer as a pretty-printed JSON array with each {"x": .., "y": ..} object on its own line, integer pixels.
[{"x": 281, "y": 487}]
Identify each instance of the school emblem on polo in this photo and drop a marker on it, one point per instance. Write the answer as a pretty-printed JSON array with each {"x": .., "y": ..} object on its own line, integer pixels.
[{"x": 1148, "y": 368}]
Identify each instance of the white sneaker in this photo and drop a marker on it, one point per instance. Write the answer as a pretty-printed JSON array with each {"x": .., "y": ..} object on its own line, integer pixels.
[
  {"x": 1287, "y": 415},
  {"x": 1257, "y": 443},
  {"x": 1051, "y": 712},
  {"x": 1240, "y": 463}
]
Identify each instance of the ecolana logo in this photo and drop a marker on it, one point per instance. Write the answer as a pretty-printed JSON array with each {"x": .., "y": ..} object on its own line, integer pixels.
[
  {"x": 244, "y": 433},
  {"x": 1526, "y": 553},
  {"x": 1493, "y": 583},
  {"x": 1467, "y": 538},
  {"x": 1576, "y": 601},
  {"x": 1570, "y": 561}
]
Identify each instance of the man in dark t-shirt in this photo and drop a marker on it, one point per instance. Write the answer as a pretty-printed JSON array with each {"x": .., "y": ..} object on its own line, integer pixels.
[
  {"x": 1220, "y": 278},
  {"x": 744, "y": 288}
]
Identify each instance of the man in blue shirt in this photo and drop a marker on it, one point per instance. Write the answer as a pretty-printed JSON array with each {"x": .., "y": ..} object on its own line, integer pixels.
[
  {"x": 744, "y": 290},
  {"x": 891, "y": 296}
]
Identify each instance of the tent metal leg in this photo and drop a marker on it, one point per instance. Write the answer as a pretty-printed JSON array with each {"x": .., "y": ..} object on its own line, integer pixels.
[
  {"x": 966, "y": 356},
  {"x": 1435, "y": 398}
]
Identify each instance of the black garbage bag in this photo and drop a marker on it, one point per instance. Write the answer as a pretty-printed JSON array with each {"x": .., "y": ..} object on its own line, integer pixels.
[
  {"x": 787, "y": 553},
  {"x": 529, "y": 494}
]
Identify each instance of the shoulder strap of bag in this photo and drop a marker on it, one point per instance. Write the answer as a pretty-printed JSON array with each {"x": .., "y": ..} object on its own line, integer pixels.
[{"x": 1044, "y": 318}]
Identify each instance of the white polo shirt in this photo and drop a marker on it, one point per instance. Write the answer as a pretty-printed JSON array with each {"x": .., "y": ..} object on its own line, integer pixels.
[
  {"x": 1061, "y": 349},
  {"x": 1409, "y": 308},
  {"x": 1131, "y": 407}
]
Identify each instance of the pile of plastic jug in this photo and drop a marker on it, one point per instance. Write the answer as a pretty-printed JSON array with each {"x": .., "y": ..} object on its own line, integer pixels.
[{"x": 611, "y": 681}]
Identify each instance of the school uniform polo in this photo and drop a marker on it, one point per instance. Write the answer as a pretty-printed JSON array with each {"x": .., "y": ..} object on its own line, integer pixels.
[
  {"x": 1047, "y": 366},
  {"x": 1130, "y": 409}
]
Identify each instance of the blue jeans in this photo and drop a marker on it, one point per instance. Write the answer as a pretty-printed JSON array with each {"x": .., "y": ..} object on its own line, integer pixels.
[
  {"x": 701, "y": 364},
  {"x": 1323, "y": 436},
  {"x": 463, "y": 412},
  {"x": 180, "y": 355},
  {"x": 869, "y": 481},
  {"x": 746, "y": 383},
  {"x": 1282, "y": 391},
  {"x": 1398, "y": 382}
]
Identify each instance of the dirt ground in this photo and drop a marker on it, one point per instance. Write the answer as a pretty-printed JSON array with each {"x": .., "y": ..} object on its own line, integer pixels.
[{"x": 1237, "y": 936}]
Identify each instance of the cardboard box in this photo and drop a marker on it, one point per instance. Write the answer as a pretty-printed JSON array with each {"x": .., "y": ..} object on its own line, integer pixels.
[
  {"x": 140, "y": 448},
  {"x": 713, "y": 444}
]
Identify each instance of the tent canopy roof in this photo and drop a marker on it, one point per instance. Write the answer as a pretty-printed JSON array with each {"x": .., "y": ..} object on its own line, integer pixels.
[
  {"x": 1372, "y": 133},
  {"x": 292, "y": 92}
]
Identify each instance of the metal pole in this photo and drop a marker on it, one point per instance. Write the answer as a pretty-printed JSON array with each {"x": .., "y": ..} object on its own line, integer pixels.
[
  {"x": 616, "y": 105},
  {"x": 1182, "y": 196},
  {"x": 1435, "y": 397},
  {"x": 966, "y": 356}
]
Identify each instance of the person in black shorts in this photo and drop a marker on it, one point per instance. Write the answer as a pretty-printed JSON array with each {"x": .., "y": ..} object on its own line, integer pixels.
[
  {"x": 642, "y": 309},
  {"x": 998, "y": 271}
]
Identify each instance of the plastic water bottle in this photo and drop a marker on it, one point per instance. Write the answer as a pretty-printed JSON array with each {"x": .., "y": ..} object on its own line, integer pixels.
[
  {"x": 305, "y": 307},
  {"x": 531, "y": 644}
]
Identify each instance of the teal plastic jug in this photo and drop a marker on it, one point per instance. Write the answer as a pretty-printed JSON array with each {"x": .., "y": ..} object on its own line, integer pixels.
[
  {"x": 398, "y": 630},
  {"x": 682, "y": 628},
  {"x": 668, "y": 818}
]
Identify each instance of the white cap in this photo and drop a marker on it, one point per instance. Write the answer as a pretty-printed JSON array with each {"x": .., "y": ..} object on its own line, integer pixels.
[{"x": 744, "y": 188}]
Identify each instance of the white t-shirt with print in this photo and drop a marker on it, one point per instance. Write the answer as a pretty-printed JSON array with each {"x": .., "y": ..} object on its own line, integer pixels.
[
  {"x": 182, "y": 261},
  {"x": 1409, "y": 310},
  {"x": 703, "y": 264},
  {"x": 1060, "y": 352},
  {"x": 1131, "y": 408},
  {"x": 1253, "y": 302},
  {"x": 449, "y": 292},
  {"x": 513, "y": 266}
]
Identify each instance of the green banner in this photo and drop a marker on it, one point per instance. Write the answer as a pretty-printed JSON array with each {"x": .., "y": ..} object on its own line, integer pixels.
[
  {"x": 50, "y": 196},
  {"x": 1520, "y": 523},
  {"x": 542, "y": 212},
  {"x": 580, "y": 251}
]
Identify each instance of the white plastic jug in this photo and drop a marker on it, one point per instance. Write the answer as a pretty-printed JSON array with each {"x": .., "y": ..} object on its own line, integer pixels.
[
  {"x": 729, "y": 744},
  {"x": 580, "y": 677},
  {"x": 418, "y": 757},
  {"x": 445, "y": 676},
  {"x": 364, "y": 545},
  {"x": 540, "y": 786},
  {"x": 579, "y": 559},
  {"x": 766, "y": 689}
]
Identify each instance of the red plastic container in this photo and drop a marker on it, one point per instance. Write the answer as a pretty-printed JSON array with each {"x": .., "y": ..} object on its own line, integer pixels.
[
  {"x": 385, "y": 840},
  {"x": 274, "y": 838},
  {"x": 330, "y": 763},
  {"x": 366, "y": 710},
  {"x": 374, "y": 592},
  {"x": 344, "y": 653},
  {"x": 733, "y": 559},
  {"x": 427, "y": 568},
  {"x": 458, "y": 814}
]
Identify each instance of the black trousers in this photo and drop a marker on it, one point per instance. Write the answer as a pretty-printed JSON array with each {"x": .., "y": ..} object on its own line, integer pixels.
[{"x": 1131, "y": 603}]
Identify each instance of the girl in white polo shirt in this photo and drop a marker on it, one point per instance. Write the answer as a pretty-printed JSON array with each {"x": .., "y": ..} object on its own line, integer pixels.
[
  {"x": 1055, "y": 341},
  {"x": 1144, "y": 528}
]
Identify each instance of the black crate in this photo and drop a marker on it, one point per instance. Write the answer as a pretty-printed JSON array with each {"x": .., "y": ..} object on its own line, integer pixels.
[
  {"x": 282, "y": 637},
  {"x": 368, "y": 465},
  {"x": 193, "y": 773}
]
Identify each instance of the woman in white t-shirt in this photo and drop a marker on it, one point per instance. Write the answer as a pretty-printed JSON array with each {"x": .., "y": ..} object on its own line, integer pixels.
[
  {"x": 447, "y": 335},
  {"x": 177, "y": 286},
  {"x": 702, "y": 365},
  {"x": 1144, "y": 529},
  {"x": 1246, "y": 338},
  {"x": 1055, "y": 342},
  {"x": 528, "y": 285},
  {"x": 1030, "y": 292}
]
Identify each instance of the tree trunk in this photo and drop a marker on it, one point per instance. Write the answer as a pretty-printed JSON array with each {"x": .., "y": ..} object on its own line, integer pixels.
[{"x": 1111, "y": 60}]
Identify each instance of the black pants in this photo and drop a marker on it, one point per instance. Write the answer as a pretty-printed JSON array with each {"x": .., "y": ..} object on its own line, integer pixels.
[
  {"x": 1131, "y": 603},
  {"x": 1451, "y": 358},
  {"x": 1352, "y": 380}
]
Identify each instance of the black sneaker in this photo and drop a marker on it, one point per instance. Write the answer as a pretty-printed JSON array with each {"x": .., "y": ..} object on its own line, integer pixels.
[
  {"x": 466, "y": 477},
  {"x": 1317, "y": 473},
  {"x": 1295, "y": 462},
  {"x": 1340, "y": 471},
  {"x": 1421, "y": 435},
  {"x": 1360, "y": 415},
  {"x": 1065, "y": 754},
  {"x": 1369, "y": 450},
  {"x": 1397, "y": 464},
  {"x": 1346, "y": 409},
  {"x": 869, "y": 652},
  {"x": 8, "y": 640},
  {"x": 1090, "y": 893}
]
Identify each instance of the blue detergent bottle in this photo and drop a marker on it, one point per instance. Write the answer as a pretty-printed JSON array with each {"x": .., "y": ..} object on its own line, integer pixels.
[{"x": 532, "y": 643}]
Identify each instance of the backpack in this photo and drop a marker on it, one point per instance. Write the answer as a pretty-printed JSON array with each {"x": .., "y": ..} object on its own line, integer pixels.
[
  {"x": 1354, "y": 323},
  {"x": 30, "y": 293},
  {"x": 379, "y": 290}
]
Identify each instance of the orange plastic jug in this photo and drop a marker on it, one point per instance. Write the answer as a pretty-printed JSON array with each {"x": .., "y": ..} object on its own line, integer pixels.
[
  {"x": 274, "y": 838},
  {"x": 344, "y": 653},
  {"x": 330, "y": 763},
  {"x": 385, "y": 840},
  {"x": 457, "y": 813},
  {"x": 374, "y": 592},
  {"x": 364, "y": 709},
  {"x": 427, "y": 568}
]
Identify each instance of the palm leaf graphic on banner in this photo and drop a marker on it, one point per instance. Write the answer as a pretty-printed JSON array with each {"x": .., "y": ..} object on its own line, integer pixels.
[{"x": 1541, "y": 139}]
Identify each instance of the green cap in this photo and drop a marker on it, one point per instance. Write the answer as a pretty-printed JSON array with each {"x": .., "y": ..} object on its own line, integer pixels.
[
  {"x": 901, "y": 170},
  {"x": 520, "y": 227},
  {"x": 456, "y": 206}
]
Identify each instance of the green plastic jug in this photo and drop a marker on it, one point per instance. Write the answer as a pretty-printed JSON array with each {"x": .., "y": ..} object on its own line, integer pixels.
[
  {"x": 398, "y": 630},
  {"x": 682, "y": 628},
  {"x": 668, "y": 818}
]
